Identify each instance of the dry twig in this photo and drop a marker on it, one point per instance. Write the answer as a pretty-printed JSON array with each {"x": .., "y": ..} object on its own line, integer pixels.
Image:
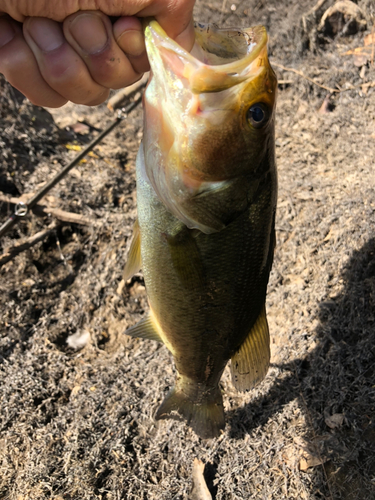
[
  {"x": 123, "y": 95},
  {"x": 43, "y": 211},
  {"x": 27, "y": 243},
  {"x": 200, "y": 490},
  {"x": 299, "y": 73},
  {"x": 336, "y": 91}
]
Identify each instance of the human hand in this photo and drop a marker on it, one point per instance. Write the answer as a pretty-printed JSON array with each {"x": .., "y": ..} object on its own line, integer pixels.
[{"x": 53, "y": 52}]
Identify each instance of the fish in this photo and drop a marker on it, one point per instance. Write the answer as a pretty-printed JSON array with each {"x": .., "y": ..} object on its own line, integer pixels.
[{"x": 206, "y": 200}]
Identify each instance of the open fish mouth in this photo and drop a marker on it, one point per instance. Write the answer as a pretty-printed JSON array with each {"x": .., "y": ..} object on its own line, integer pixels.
[{"x": 220, "y": 58}]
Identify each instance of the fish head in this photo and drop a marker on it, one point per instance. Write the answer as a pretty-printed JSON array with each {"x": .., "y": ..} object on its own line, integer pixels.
[{"x": 209, "y": 114}]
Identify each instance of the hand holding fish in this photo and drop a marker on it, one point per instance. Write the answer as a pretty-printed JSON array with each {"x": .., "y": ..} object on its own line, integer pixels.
[{"x": 59, "y": 51}]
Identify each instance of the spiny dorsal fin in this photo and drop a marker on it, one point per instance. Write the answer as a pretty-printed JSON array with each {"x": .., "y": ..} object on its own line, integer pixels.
[
  {"x": 144, "y": 329},
  {"x": 250, "y": 363},
  {"x": 133, "y": 263}
]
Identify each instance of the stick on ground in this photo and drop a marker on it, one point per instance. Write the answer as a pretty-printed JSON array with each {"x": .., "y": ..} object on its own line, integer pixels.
[
  {"x": 27, "y": 243},
  {"x": 200, "y": 490},
  {"x": 43, "y": 211}
]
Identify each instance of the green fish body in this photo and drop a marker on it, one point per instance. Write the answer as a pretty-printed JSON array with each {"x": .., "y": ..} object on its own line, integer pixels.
[{"x": 206, "y": 194}]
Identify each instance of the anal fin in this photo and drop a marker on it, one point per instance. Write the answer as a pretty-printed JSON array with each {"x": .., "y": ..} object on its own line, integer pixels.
[
  {"x": 144, "y": 329},
  {"x": 133, "y": 263},
  {"x": 250, "y": 363}
]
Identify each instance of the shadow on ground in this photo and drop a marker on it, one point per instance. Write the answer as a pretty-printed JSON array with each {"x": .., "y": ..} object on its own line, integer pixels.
[{"x": 337, "y": 378}]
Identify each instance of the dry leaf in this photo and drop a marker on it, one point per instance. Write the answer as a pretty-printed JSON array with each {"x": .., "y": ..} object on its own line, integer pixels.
[
  {"x": 335, "y": 420},
  {"x": 326, "y": 106},
  {"x": 28, "y": 282},
  {"x": 81, "y": 128},
  {"x": 296, "y": 279},
  {"x": 303, "y": 454},
  {"x": 75, "y": 173},
  {"x": 361, "y": 60},
  {"x": 369, "y": 39},
  {"x": 73, "y": 147},
  {"x": 361, "y": 55},
  {"x": 308, "y": 460},
  {"x": 291, "y": 456},
  {"x": 75, "y": 391}
]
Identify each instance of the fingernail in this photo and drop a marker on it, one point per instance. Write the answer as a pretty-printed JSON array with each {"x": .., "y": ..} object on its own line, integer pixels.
[
  {"x": 6, "y": 32},
  {"x": 46, "y": 34},
  {"x": 132, "y": 42},
  {"x": 89, "y": 32}
]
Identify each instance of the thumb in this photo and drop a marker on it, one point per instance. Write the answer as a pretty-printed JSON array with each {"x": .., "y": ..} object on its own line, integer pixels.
[{"x": 176, "y": 19}]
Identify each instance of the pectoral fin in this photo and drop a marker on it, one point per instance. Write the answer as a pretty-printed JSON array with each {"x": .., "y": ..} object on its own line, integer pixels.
[
  {"x": 144, "y": 329},
  {"x": 186, "y": 259},
  {"x": 250, "y": 363},
  {"x": 133, "y": 263}
]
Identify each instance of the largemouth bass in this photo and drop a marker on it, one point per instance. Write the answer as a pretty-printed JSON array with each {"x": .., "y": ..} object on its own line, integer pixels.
[{"x": 206, "y": 192}]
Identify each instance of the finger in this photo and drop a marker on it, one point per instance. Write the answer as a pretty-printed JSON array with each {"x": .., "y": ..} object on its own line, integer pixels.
[
  {"x": 18, "y": 65},
  {"x": 60, "y": 66},
  {"x": 175, "y": 17},
  {"x": 91, "y": 36},
  {"x": 128, "y": 33}
]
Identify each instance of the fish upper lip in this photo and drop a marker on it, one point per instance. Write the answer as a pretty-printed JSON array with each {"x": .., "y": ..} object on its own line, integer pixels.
[{"x": 212, "y": 78}]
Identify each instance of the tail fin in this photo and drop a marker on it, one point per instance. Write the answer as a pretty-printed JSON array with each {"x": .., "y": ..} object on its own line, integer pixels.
[{"x": 202, "y": 409}]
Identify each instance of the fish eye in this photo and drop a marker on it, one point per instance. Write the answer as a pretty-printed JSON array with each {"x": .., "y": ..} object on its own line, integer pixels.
[{"x": 258, "y": 115}]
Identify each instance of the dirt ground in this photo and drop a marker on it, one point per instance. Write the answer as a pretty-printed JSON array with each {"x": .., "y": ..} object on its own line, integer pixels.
[{"x": 77, "y": 396}]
